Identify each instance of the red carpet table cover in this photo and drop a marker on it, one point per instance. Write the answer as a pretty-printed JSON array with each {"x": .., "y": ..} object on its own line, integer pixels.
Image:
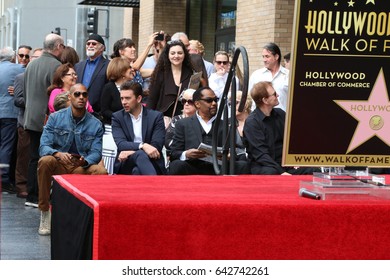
[{"x": 217, "y": 218}]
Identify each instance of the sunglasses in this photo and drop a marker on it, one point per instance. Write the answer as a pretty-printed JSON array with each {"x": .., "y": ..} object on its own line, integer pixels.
[
  {"x": 24, "y": 56},
  {"x": 222, "y": 62},
  {"x": 189, "y": 101},
  {"x": 91, "y": 43},
  {"x": 210, "y": 100},
  {"x": 230, "y": 103},
  {"x": 78, "y": 93},
  {"x": 274, "y": 94}
]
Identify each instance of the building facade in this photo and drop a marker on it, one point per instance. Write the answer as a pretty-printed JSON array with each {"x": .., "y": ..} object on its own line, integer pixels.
[{"x": 218, "y": 24}]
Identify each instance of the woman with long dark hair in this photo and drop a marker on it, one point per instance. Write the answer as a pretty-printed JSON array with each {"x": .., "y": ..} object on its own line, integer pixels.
[{"x": 170, "y": 77}]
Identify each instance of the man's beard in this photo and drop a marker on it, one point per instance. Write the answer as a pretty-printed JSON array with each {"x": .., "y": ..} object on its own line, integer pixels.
[{"x": 90, "y": 53}]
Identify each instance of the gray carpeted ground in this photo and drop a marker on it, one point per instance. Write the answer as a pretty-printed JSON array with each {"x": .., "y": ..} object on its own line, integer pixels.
[{"x": 19, "y": 231}]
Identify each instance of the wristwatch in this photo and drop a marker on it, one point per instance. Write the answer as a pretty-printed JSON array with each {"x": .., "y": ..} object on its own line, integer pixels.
[{"x": 141, "y": 145}]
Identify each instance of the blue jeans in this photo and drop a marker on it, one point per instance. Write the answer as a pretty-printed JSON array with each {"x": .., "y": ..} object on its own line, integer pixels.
[{"x": 8, "y": 130}]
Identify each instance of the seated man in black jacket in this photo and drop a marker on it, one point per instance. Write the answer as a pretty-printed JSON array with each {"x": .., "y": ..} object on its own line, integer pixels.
[
  {"x": 264, "y": 132},
  {"x": 190, "y": 132}
]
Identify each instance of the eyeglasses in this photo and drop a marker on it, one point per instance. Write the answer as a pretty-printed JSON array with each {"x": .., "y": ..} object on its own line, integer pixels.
[
  {"x": 189, "y": 101},
  {"x": 71, "y": 74},
  {"x": 24, "y": 56},
  {"x": 91, "y": 43},
  {"x": 78, "y": 93},
  {"x": 210, "y": 100},
  {"x": 222, "y": 62},
  {"x": 274, "y": 94}
]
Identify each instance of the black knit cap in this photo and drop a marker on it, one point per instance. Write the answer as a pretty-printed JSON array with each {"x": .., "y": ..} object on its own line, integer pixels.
[{"x": 96, "y": 37}]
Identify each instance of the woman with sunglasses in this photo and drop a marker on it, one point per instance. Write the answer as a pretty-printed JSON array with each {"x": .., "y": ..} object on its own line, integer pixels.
[
  {"x": 64, "y": 78},
  {"x": 188, "y": 110},
  {"x": 170, "y": 77},
  {"x": 217, "y": 80}
]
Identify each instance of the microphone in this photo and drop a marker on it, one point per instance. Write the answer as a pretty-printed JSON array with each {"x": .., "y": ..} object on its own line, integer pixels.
[{"x": 308, "y": 194}]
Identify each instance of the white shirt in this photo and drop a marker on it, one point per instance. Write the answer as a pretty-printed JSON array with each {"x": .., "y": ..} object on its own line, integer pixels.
[
  {"x": 279, "y": 83},
  {"x": 217, "y": 83},
  {"x": 206, "y": 125},
  {"x": 137, "y": 126}
]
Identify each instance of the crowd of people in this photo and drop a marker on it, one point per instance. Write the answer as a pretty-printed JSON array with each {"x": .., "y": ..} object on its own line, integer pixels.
[{"x": 130, "y": 114}]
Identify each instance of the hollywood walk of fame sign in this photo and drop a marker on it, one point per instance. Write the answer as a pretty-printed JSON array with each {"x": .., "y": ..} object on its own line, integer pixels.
[{"x": 339, "y": 109}]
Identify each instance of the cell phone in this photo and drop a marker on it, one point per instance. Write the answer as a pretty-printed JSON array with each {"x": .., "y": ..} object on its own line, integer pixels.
[
  {"x": 160, "y": 37},
  {"x": 75, "y": 159}
]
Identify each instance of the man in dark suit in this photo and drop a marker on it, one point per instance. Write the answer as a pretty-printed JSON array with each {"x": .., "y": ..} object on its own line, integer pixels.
[
  {"x": 185, "y": 157},
  {"x": 139, "y": 134},
  {"x": 92, "y": 71}
]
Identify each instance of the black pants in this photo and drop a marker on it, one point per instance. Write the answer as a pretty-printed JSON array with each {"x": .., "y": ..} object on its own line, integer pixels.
[
  {"x": 191, "y": 167},
  {"x": 32, "y": 179}
]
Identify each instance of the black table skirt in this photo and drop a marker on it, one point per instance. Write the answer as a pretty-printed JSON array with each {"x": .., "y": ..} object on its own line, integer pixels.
[{"x": 72, "y": 226}]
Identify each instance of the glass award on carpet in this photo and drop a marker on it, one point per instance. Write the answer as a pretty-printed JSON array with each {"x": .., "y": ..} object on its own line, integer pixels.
[{"x": 340, "y": 183}]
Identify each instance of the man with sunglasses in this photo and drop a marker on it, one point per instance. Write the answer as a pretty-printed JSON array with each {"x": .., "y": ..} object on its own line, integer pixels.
[
  {"x": 264, "y": 132},
  {"x": 71, "y": 143},
  {"x": 23, "y": 145},
  {"x": 23, "y": 55},
  {"x": 92, "y": 71},
  {"x": 186, "y": 158},
  {"x": 217, "y": 80}
]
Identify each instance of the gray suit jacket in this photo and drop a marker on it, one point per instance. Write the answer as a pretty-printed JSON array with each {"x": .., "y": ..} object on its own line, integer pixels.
[
  {"x": 19, "y": 98},
  {"x": 38, "y": 77}
]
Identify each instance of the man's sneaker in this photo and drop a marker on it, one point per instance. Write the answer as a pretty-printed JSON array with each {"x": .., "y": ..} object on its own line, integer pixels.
[
  {"x": 45, "y": 224},
  {"x": 31, "y": 203}
]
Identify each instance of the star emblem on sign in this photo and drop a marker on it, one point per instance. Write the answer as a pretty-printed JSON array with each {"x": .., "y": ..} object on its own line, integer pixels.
[{"x": 373, "y": 114}]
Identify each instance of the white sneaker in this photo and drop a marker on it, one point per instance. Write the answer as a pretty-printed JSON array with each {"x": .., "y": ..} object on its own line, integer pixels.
[
  {"x": 45, "y": 224},
  {"x": 31, "y": 204}
]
